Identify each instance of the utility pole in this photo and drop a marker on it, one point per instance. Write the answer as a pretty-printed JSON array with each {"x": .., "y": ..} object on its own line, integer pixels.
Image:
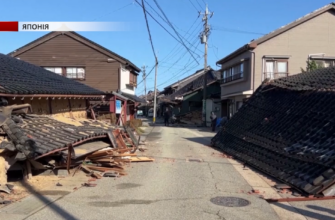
[
  {"x": 155, "y": 92},
  {"x": 204, "y": 37},
  {"x": 145, "y": 90}
]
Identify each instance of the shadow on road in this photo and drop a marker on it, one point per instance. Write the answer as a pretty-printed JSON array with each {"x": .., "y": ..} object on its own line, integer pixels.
[
  {"x": 200, "y": 140},
  {"x": 322, "y": 209},
  {"x": 51, "y": 204},
  {"x": 309, "y": 214}
]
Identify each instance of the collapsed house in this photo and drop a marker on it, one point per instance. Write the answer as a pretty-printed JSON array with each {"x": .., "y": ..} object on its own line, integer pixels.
[
  {"x": 43, "y": 123},
  {"x": 286, "y": 129},
  {"x": 186, "y": 97}
]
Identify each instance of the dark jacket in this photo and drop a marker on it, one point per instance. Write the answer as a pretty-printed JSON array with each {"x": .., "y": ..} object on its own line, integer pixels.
[{"x": 166, "y": 115}]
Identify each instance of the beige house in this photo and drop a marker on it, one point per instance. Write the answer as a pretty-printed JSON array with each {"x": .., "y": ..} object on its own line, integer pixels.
[{"x": 278, "y": 54}]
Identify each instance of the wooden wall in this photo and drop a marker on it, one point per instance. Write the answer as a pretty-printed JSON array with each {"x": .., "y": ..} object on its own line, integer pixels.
[
  {"x": 58, "y": 106},
  {"x": 65, "y": 51}
]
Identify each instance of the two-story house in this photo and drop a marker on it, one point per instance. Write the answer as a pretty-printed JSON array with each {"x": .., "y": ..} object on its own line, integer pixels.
[
  {"x": 278, "y": 54},
  {"x": 76, "y": 57}
]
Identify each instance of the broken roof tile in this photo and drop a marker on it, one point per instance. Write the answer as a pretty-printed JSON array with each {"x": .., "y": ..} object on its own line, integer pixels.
[{"x": 286, "y": 129}]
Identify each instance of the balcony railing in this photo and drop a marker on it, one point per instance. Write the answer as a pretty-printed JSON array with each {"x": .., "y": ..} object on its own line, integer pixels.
[
  {"x": 232, "y": 78},
  {"x": 274, "y": 75}
]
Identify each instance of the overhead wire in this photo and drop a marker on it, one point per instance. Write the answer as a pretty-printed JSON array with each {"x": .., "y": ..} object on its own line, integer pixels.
[
  {"x": 178, "y": 47},
  {"x": 193, "y": 6},
  {"x": 148, "y": 28},
  {"x": 159, "y": 23},
  {"x": 168, "y": 22},
  {"x": 192, "y": 45},
  {"x": 198, "y": 3},
  {"x": 181, "y": 73},
  {"x": 179, "y": 59},
  {"x": 176, "y": 32},
  {"x": 115, "y": 10}
]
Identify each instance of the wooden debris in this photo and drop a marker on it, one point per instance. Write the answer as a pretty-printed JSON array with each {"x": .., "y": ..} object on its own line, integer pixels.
[
  {"x": 109, "y": 162},
  {"x": 142, "y": 159}
]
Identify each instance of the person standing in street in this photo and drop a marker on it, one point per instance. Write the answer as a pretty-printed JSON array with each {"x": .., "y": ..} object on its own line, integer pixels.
[
  {"x": 166, "y": 117},
  {"x": 213, "y": 121}
]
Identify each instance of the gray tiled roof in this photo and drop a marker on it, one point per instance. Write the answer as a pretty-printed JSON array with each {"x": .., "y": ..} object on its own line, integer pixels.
[{"x": 20, "y": 77}]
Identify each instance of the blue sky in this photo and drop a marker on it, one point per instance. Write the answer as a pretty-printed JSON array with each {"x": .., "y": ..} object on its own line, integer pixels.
[{"x": 234, "y": 23}]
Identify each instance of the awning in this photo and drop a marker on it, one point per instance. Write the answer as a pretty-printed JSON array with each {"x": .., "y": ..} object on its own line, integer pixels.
[
  {"x": 133, "y": 97},
  {"x": 120, "y": 96}
]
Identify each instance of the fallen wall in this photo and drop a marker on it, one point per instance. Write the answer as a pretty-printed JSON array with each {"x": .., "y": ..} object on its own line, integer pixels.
[{"x": 289, "y": 134}]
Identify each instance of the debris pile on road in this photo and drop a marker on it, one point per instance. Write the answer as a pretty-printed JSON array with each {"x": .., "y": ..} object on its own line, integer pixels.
[
  {"x": 39, "y": 142},
  {"x": 286, "y": 129},
  {"x": 191, "y": 118},
  {"x": 110, "y": 162}
]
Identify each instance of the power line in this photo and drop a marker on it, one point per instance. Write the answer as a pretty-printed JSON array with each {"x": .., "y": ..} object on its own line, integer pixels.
[
  {"x": 178, "y": 60},
  {"x": 146, "y": 21},
  {"x": 180, "y": 73},
  {"x": 193, "y": 5},
  {"x": 182, "y": 56},
  {"x": 115, "y": 10},
  {"x": 176, "y": 49},
  {"x": 199, "y": 3},
  {"x": 176, "y": 32},
  {"x": 147, "y": 75},
  {"x": 215, "y": 52},
  {"x": 159, "y": 23},
  {"x": 169, "y": 23}
]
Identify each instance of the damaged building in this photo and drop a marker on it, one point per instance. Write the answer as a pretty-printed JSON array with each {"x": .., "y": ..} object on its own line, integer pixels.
[
  {"x": 78, "y": 58},
  {"x": 185, "y": 97},
  {"x": 286, "y": 129},
  {"x": 43, "y": 121}
]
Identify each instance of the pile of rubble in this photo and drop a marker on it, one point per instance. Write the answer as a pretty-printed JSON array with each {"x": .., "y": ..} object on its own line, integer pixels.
[
  {"x": 286, "y": 130},
  {"x": 191, "y": 118},
  {"x": 39, "y": 142}
]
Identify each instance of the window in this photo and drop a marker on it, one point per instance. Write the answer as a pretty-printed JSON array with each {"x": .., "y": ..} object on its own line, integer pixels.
[
  {"x": 69, "y": 72},
  {"x": 75, "y": 72},
  {"x": 233, "y": 73},
  {"x": 57, "y": 70},
  {"x": 132, "y": 79},
  {"x": 275, "y": 69},
  {"x": 325, "y": 63}
]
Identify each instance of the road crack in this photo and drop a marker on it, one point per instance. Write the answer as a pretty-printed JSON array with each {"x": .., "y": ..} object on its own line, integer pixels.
[
  {"x": 216, "y": 214},
  {"x": 213, "y": 177}
]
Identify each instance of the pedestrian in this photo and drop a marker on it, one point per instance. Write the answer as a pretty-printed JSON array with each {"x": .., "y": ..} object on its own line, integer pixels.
[
  {"x": 166, "y": 117},
  {"x": 213, "y": 120}
]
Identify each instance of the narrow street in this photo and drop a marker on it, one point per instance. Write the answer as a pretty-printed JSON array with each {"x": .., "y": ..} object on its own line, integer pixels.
[{"x": 175, "y": 186}]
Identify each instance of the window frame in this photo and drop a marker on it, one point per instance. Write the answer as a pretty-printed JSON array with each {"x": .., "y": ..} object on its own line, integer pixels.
[
  {"x": 54, "y": 67},
  {"x": 234, "y": 72},
  {"x": 76, "y": 74},
  {"x": 317, "y": 61},
  {"x": 65, "y": 73},
  {"x": 276, "y": 74},
  {"x": 132, "y": 79}
]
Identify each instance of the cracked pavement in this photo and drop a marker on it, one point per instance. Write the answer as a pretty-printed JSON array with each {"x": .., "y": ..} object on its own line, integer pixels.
[{"x": 169, "y": 188}]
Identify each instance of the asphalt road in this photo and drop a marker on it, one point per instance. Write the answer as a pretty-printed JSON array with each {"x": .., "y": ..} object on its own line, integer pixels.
[{"x": 175, "y": 186}]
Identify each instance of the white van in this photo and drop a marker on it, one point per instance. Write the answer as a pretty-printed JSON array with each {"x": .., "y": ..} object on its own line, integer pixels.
[{"x": 151, "y": 112}]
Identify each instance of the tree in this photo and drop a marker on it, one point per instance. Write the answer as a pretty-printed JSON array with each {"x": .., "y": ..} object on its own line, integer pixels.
[{"x": 311, "y": 65}]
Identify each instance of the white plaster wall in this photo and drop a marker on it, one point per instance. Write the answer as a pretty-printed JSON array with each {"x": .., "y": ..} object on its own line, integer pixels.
[
  {"x": 125, "y": 80},
  {"x": 217, "y": 108}
]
